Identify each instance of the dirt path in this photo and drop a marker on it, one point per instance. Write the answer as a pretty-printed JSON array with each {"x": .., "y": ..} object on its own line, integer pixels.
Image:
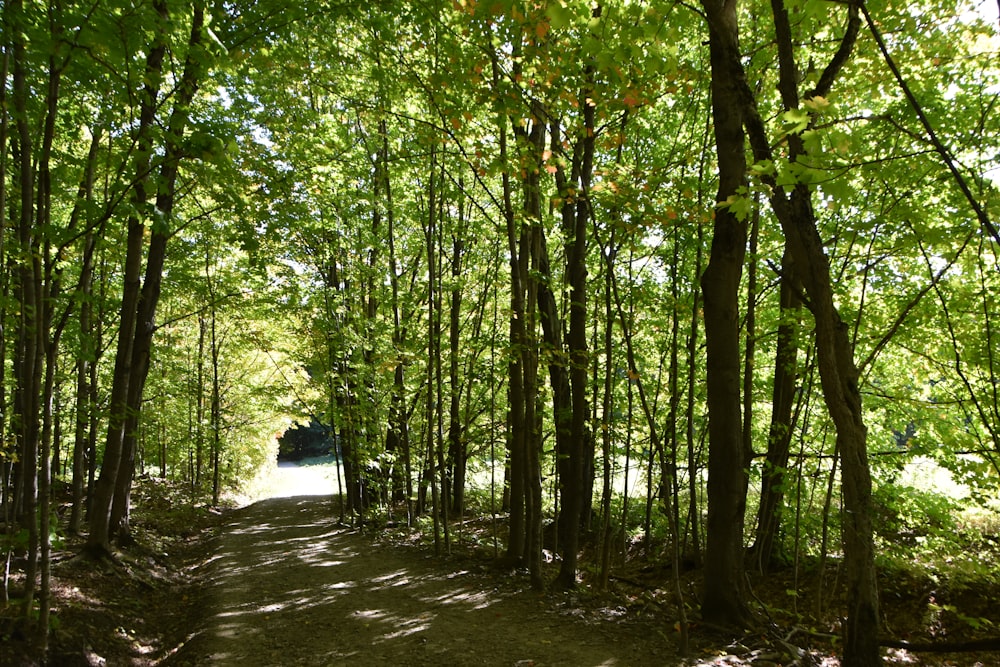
[{"x": 289, "y": 587}]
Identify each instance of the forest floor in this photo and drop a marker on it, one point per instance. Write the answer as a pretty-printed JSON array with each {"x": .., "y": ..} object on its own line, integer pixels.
[{"x": 280, "y": 582}]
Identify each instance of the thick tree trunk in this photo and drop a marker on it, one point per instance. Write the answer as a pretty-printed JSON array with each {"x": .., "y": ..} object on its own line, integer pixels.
[
  {"x": 576, "y": 227},
  {"x": 724, "y": 601}
]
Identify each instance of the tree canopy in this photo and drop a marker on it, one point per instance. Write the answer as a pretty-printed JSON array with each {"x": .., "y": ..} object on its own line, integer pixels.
[{"x": 720, "y": 276}]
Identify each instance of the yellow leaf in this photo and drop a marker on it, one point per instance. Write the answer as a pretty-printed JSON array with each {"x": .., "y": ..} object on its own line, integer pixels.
[{"x": 817, "y": 103}]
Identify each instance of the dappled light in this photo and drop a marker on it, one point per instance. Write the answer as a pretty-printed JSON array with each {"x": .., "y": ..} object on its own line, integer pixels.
[
  {"x": 290, "y": 586},
  {"x": 583, "y": 332}
]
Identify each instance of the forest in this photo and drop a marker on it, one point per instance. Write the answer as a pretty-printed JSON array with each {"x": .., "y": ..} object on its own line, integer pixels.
[{"x": 712, "y": 284}]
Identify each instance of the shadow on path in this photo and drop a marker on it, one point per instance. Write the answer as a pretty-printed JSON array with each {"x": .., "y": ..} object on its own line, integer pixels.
[{"x": 288, "y": 586}]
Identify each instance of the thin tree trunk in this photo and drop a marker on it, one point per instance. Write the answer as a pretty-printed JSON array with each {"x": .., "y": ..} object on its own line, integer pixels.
[
  {"x": 199, "y": 453},
  {"x": 457, "y": 448},
  {"x": 533, "y": 441},
  {"x": 694, "y": 513},
  {"x": 397, "y": 437},
  {"x": 6, "y": 468},
  {"x": 433, "y": 337},
  {"x": 30, "y": 336},
  {"x": 4, "y": 132},
  {"x": 436, "y": 358},
  {"x": 99, "y": 518},
  {"x": 83, "y": 406},
  {"x": 149, "y": 295},
  {"x": 529, "y": 356},
  {"x": 516, "y": 427},
  {"x": 779, "y": 437},
  {"x": 608, "y": 422},
  {"x": 215, "y": 404},
  {"x": 655, "y": 443}
]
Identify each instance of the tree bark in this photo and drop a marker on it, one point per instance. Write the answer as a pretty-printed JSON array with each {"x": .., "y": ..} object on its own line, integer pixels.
[
  {"x": 779, "y": 437},
  {"x": 149, "y": 295},
  {"x": 576, "y": 224},
  {"x": 28, "y": 276},
  {"x": 839, "y": 374},
  {"x": 724, "y": 601},
  {"x": 457, "y": 447},
  {"x": 99, "y": 518},
  {"x": 87, "y": 354},
  {"x": 531, "y": 249}
]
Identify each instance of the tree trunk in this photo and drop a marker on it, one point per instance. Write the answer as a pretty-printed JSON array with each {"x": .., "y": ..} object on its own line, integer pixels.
[
  {"x": 199, "y": 407},
  {"x": 839, "y": 374},
  {"x": 779, "y": 437},
  {"x": 689, "y": 432},
  {"x": 149, "y": 295},
  {"x": 562, "y": 399},
  {"x": 457, "y": 447},
  {"x": 724, "y": 601},
  {"x": 99, "y": 518},
  {"x": 607, "y": 409},
  {"x": 533, "y": 430},
  {"x": 397, "y": 442},
  {"x": 514, "y": 473},
  {"x": 576, "y": 227},
  {"x": 215, "y": 404},
  {"x": 30, "y": 333},
  {"x": 87, "y": 355},
  {"x": 5, "y": 466}
]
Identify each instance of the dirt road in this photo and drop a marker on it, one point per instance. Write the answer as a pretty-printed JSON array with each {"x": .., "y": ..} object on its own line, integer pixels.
[{"x": 287, "y": 586}]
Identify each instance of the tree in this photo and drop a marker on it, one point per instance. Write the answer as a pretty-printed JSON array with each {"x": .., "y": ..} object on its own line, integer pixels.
[
  {"x": 109, "y": 512},
  {"x": 838, "y": 372},
  {"x": 725, "y": 585},
  {"x": 404, "y": 214}
]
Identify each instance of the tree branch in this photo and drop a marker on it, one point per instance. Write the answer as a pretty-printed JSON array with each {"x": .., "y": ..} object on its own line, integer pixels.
[{"x": 942, "y": 150}]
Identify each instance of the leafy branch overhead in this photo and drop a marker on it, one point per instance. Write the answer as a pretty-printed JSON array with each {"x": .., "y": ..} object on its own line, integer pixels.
[{"x": 709, "y": 283}]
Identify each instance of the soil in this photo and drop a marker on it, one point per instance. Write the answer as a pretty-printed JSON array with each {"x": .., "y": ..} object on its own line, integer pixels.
[
  {"x": 288, "y": 586},
  {"x": 281, "y": 582}
]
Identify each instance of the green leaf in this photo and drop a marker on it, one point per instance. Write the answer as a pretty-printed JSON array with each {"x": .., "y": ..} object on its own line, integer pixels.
[
  {"x": 560, "y": 16},
  {"x": 794, "y": 121},
  {"x": 739, "y": 204},
  {"x": 762, "y": 168}
]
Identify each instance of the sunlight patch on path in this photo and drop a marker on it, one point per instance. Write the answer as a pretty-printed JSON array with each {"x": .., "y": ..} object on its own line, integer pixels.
[
  {"x": 290, "y": 586},
  {"x": 311, "y": 477}
]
